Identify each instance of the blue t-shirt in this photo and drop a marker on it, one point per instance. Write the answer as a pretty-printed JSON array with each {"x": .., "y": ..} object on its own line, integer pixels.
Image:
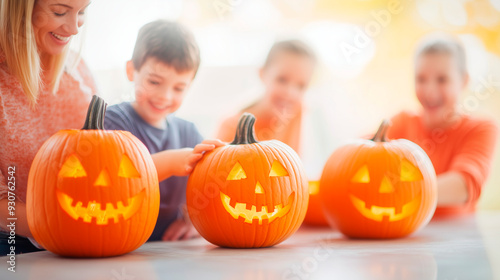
[{"x": 178, "y": 134}]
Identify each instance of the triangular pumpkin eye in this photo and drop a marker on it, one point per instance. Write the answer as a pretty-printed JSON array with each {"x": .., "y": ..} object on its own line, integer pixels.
[
  {"x": 73, "y": 168},
  {"x": 409, "y": 172},
  {"x": 127, "y": 168},
  {"x": 237, "y": 173},
  {"x": 277, "y": 170},
  {"x": 362, "y": 176}
]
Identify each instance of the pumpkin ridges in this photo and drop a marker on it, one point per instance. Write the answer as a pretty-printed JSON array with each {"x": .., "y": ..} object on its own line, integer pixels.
[
  {"x": 260, "y": 149},
  {"x": 138, "y": 236},
  {"x": 426, "y": 196},
  {"x": 153, "y": 180},
  {"x": 305, "y": 192},
  {"x": 194, "y": 176},
  {"x": 429, "y": 173},
  {"x": 64, "y": 244},
  {"x": 110, "y": 139},
  {"x": 346, "y": 160},
  {"x": 256, "y": 160},
  {"x": 299, "y": 219},
  {"x": 266, "y": 238},
  {"x": 64, "y": 140},
  {"x": 29, "y": 198},
  {"x": 298, "y": 216},
  {"x": 250, "y": 236},
  {"x": 34, "y": 224},
  {"x": 60, "y": 233},
  {"x": 213, "y": 206},
  {"x": 285, "y": 151},
  {"x": 261, "y": 232}
]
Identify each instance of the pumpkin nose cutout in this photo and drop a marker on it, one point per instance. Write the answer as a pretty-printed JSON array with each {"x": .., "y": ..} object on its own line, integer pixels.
[
  {"x": 258, "y": 188},
  {"x": 103, "y": 179},
  {"x": 386, "y": 186}
]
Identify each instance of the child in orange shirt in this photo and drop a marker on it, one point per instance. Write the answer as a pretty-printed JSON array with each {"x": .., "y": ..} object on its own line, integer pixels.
[
  {"x": 460, "y": 147},
  {"x": 286, "y": 74}
]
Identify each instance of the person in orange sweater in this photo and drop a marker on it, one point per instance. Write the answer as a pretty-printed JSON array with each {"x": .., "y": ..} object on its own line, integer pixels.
[
  {"x": 286, "y": 74},
  {"x": 460, "y": 147}
]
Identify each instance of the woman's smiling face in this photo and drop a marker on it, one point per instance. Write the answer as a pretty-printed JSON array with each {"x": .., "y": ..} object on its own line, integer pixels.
[
  {"x": 438, "y": 84},
  {"x": 55, "y": 22}
]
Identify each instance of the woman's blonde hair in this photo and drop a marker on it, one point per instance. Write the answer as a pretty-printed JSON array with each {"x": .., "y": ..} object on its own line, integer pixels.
[{"x": 18, "y": 45}]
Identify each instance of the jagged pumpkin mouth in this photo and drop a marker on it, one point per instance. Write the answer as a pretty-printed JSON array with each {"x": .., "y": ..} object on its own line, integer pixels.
[
  {"x": 378, "y": 213},
  {"x": 100, "y": 212},
  {"x": 251, "y": 215}
]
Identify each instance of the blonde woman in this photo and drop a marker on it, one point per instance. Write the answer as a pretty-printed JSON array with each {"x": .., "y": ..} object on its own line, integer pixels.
[
  {"x": 460, "y": 146},
  {"x": 39, "y": 95}
]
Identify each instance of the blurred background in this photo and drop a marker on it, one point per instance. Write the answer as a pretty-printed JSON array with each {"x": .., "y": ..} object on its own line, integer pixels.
[{"x": 365, "y": 48}]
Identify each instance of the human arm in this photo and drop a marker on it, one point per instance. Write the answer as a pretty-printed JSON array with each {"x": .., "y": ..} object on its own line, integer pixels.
[
  {"x": 469, "y": 168},
  {"x": 181, "y": 162},
  {"x": 452, "y": 189}
]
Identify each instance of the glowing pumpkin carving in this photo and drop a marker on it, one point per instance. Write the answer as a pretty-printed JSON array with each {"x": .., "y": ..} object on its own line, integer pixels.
[
  {"x": 248, "y": 193},
  {"x": 92, "y": 192},
  {"x": 379, "y": 188}
]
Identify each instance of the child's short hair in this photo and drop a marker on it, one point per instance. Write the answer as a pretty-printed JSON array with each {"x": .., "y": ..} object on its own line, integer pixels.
[
  {"x": 444, "y": 44},
  {"x": 292, "y": 46},
  {"x": 168, "y": 42}
]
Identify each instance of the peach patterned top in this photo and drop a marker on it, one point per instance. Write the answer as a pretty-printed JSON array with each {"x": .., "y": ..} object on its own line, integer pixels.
[{"x": 24, "y": 129}]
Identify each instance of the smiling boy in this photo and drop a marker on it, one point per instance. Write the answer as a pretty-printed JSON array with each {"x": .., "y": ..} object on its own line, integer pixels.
[{"x": 164, "y": 63}]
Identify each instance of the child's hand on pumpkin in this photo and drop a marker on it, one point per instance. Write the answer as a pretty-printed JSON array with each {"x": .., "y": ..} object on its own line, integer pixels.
[
  {"x": 198, "y": 152},
  {"x": 181, "y": 162}
]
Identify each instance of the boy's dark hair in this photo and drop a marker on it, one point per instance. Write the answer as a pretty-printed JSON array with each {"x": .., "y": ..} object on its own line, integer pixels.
[{"x": 168, "y": 42}]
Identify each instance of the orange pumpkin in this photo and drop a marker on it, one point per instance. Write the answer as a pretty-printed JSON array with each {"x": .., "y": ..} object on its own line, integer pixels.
[
  {"x": 92, "y": 192},
  {"x": 379, "y": 188},
  {"x": 314, "y": 215},
  {"x": 247, "y": 194}
]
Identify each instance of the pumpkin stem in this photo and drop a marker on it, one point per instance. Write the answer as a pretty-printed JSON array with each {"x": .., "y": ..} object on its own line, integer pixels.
[
  {"x": 95, "y": 114},
  {"x": 245, "y": 133},
  {"x": 381, "y": 136}
]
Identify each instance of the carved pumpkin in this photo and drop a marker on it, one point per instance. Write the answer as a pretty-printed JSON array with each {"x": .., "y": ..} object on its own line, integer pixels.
[
  {"x": 379, "y": 188},
  {"x": 92, "y": 192},
  {"x": 314, "y": 215},
  {"x": 248, "y": 193}
]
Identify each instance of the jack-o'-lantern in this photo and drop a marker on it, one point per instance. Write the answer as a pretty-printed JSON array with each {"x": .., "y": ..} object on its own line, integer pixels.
[
  {"x": 92, "y": 192},
  {"x": 314, "y": 215},
  {"x": 378, "y": 188},
  {"x": 248, "y": 193}
]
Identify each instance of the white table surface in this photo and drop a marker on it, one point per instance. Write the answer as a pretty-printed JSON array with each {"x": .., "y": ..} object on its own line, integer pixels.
[{"x": 459, "y": 248}]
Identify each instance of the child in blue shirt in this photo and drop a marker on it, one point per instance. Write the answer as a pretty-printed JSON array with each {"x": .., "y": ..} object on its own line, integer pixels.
[{"x": 164, "y": 63}]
